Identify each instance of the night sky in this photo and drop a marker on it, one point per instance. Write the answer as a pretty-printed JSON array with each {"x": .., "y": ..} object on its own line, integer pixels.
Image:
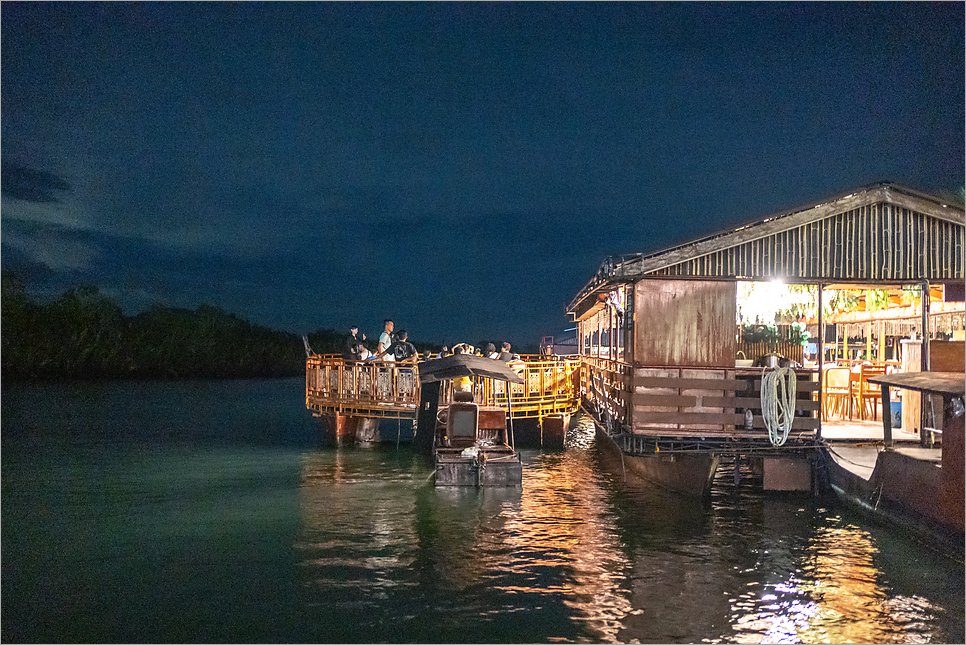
[{"x": 461, "y": 168}]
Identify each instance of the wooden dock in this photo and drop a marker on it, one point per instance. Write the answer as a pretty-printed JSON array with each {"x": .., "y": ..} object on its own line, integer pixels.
[{"x": 346, "y": 394}]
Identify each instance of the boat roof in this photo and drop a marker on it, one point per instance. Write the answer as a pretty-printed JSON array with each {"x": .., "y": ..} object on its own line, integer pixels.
[
  {"x": 457, "y": 365},
  {"x": 940, "y": 382}
]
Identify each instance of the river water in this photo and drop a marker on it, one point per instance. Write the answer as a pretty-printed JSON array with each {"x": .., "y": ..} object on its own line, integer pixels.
[{"x": 207, "y": 511}]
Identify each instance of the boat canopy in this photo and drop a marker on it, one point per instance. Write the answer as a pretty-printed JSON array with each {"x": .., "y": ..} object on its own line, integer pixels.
[{"x": 457, "y": 365}]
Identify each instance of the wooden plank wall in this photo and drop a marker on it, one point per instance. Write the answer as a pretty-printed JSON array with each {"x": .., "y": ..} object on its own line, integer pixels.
[
  {"x": 685, "y": 322},
  {"x": 947, "y": 356},
  {"x": 688, "y": 402}
]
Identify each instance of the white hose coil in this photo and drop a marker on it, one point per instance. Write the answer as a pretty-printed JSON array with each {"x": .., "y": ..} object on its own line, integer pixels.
[{"x": 778, "y": 403}]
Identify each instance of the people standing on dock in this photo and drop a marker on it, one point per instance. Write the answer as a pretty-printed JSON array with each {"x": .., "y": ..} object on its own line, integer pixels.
[
  {"x": 512, "y": 359},
  {"x": 385, "y": 340},
  {"x": 354, "y": 346},
  {"x": 402, "y": 350},
  {"x": 506, "y": 355},
  {"x": 443, "y": 352},
  {"x": 491, "y": 351}
]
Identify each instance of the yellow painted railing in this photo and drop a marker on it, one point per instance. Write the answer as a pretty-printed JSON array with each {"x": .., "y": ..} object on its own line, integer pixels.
[
  {"x": 390, "y": 390},
  {"x": 360, "y": 388}
]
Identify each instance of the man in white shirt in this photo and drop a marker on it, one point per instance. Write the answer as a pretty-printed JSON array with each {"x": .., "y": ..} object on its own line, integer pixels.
[{"x": 385, "y": 341}]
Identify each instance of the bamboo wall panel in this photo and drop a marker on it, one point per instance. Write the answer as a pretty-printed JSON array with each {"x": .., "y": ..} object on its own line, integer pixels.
[
  {"x": 685, "y": 323},
  {"x": 877, "y": 242},
  {"x": 881, "y": 233}
]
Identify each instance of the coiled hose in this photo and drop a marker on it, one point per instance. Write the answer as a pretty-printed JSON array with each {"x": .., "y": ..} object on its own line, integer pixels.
[{"x": 778, "y": 403}]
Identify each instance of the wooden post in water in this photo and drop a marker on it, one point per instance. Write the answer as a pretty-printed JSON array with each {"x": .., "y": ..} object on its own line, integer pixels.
[{"x": 886, "y": 417}]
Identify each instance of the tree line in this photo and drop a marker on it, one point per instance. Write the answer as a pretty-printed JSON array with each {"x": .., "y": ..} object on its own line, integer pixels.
[{"x": 83, "y": 334}]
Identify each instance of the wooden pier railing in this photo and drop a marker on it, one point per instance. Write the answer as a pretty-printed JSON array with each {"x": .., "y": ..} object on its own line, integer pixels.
[
  {"x": 697, "y": 403},
  {"x": 390, "y": 390}
]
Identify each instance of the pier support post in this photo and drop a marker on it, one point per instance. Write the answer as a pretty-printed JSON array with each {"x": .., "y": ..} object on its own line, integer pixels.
[
  {"x": 341, "y": 429},
  {"x": 553, "y": 430}
]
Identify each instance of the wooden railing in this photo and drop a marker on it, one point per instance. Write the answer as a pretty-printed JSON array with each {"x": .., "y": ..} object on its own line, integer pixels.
[
  {"x": 363, "y": 388},
  {"x": 687, "y": 402},
  {"x": 390, "y": 390},
  {"x": 603, "y": 384}
]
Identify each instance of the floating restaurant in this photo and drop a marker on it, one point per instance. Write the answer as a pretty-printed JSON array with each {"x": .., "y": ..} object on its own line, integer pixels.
[
  {"x": 681, "y": 373},
  {"x": 774, "y": 348}
]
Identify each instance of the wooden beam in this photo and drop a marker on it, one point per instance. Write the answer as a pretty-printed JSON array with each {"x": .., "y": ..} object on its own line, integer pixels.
[{"x": 689, "y": 383}]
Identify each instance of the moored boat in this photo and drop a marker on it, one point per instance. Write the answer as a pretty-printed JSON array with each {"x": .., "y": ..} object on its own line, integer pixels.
[
  {"x": 472, "y": 444},
  {"x": 689, "y": 473},
  {"x": 367, "y": 402},
  {"x": 918, "y": 490}
]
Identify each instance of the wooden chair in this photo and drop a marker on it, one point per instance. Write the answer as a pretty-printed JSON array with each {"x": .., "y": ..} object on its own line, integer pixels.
[
  {"x": 836, "y": 392},
  {"x": 868, "y": 394}
]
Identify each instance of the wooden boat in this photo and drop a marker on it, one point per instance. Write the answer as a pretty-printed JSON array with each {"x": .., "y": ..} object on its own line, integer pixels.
[
  {"x": 916, "y": 489},
  {"x": 472, "y": 445},
  {"x": 689, "y": 473},
  {"x": 367, "y": 402}
]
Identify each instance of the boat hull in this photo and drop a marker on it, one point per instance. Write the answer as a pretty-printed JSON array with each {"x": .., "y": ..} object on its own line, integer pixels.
[
  {"x": 504, "y": 471},
  {"x": 903, "y": 492},
  {"x": 688, "y": 474},
  {"x": 547, "y": 432}
]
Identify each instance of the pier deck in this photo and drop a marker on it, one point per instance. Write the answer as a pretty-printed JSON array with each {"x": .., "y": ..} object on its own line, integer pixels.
[
  {"x": 384, "y": 390},
  {"x": 856, "y": 430}
]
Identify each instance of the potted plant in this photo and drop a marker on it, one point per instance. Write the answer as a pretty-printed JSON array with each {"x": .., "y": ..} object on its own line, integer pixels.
[
  {"x": 799, "y": 334},
  {"x": 754, "y": 334}
]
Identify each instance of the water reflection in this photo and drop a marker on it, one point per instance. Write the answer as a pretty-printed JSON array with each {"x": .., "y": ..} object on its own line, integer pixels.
[
  {"x": 581, "y": 555},
  {"x": 835, "y": 597},
  {"x": 181, "y": 527}
]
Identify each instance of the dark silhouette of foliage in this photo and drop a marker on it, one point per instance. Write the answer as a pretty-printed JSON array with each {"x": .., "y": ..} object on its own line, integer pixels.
[{"x": 84, "y": 334}]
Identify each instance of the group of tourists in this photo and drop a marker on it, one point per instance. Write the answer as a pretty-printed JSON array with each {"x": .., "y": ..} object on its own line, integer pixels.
[
  {"x": 394, "y": 347},
  {"x": 504, "y": 355}
]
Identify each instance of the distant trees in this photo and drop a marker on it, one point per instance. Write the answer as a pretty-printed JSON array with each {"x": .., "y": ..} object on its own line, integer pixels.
[{"x": 84, "y": 334}]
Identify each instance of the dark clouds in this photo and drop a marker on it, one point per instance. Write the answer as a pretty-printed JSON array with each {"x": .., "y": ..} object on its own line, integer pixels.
[
  {"x": 30, "y": 185},
  {"x": 461, "y": 167}
]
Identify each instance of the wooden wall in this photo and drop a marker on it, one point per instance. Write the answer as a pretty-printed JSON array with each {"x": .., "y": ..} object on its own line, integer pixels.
[
  {"x": 695, "y": 402},
  {"x": 947, "y": 356},
  {"x": 684, "y": 323}
]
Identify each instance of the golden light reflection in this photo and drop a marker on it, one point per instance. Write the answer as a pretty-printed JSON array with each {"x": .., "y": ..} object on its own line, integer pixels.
[
  {"x": 627, "y": 565},
  {"x": 834, "y": 598},
  {"x": 339, "y": 550},
  {"x": 560, "y": 515}
]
